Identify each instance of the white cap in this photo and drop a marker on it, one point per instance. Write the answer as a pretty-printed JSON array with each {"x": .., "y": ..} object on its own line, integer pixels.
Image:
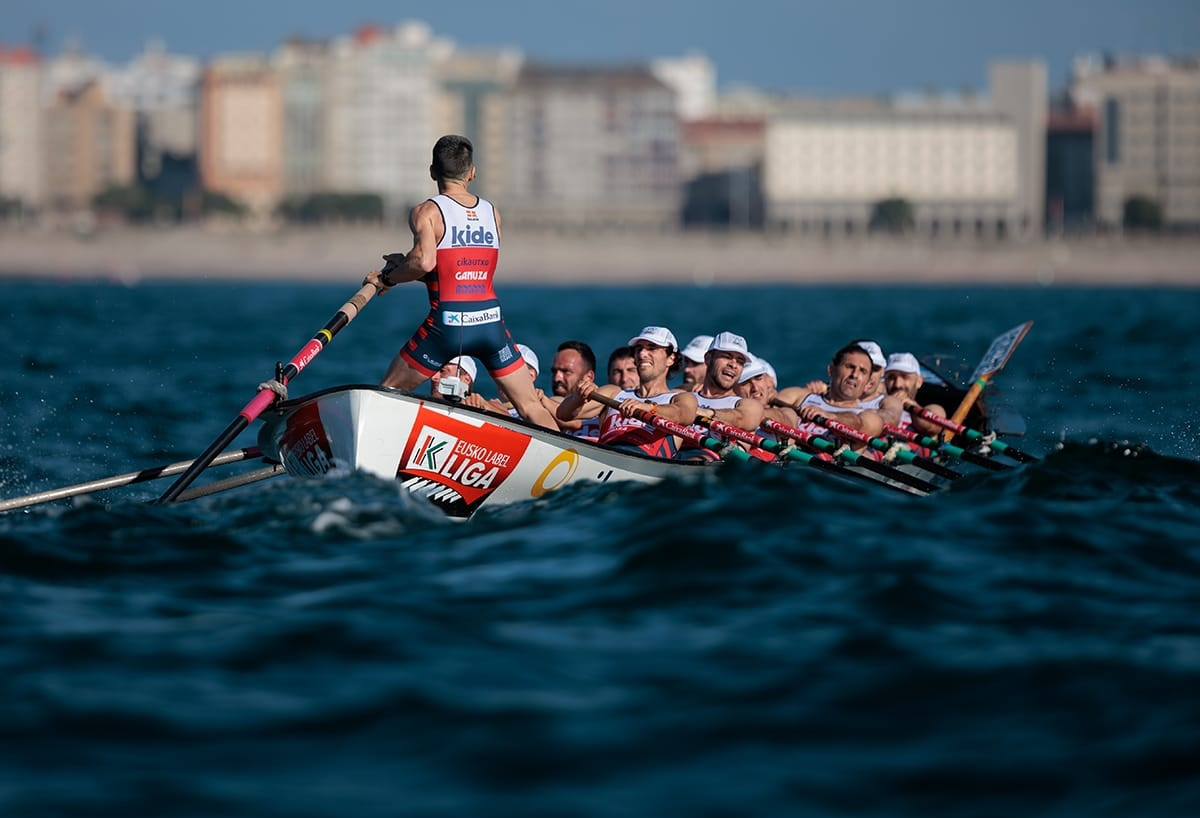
[
  {"x": 659, "y": 336},
  {"x": 728, "y": 342},
  {"x": 696, "y": 348},
  {"x": 874, "y": 352},
  {"x": 465, "y": 363},
  {"x": 530, "y": 357},
  {"x": 756, "y": 367},
  {"x": 903, "y": 362}
]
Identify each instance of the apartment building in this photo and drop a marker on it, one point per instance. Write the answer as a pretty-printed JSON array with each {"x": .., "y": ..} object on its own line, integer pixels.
[
  {"x": 241, "y": 131},
  {"x": 1147, "y": 140},
  {"x": 593, "y": 147},
  {"x": 381, "y": 113},
  {"x": 90, "y": 145},
  {"x": 22, "y": 169}
]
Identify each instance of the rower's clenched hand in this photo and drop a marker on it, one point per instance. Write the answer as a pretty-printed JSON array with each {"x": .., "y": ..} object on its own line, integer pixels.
[
  {"x": 634, "y": 408},
  {"x": 584, "y": 389},
  {"x": 816, "y": 387},
  {"x": 809, "y": 414},
  {"x": 477, "y": 401},
  {"x": 375, "y": 278}
]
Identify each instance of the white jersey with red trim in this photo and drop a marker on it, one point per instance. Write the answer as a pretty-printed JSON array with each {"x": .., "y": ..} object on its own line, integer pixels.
[
  {"x": 616, "y": 428},
  {"x": 468, "y": 253},
  {"x": 827, "y": 408}
]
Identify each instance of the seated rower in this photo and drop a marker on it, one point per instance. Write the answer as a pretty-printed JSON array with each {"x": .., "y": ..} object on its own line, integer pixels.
[
  {"x": 875, "y": 393},
  {"x": 760, "y": 383},
  {"x": 499, "y": 407},
  {"x": 622, "y": 370},
  {"x": 716, "y": 397},
  {"x": 693, "y": 362},
  {"x": 656, "y": 353},
  {"x": 573, "y": 363},
  {"x": 842, "y": 400},
  {"x": 902, "y": 379},
  {"x": 463, "y": 367}
]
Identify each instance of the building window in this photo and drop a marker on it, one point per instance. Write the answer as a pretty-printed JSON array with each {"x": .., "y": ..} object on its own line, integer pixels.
[{"x": 1112, "y": 130}]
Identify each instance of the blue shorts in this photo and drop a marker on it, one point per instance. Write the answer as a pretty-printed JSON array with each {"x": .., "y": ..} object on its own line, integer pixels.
[{"x": 447, "y": 333}]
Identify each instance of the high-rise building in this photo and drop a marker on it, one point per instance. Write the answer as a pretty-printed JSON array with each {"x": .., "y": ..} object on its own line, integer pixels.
[
  {"x": 1019, "y": 91},
  {"x": 303, "y": 69},
  {"x": 241, "y": 131},
  {"x": 90, "y": 145},
  {"x": 475, "y": 89},
  {"x": 593, "y": 147},
  {"x": 721, "y": 164},
  {"x": 163, "y": 90},
  {"x": 1147, "y": 134},
  {"x": 693, "y": 78},
  {"x": 381, "y": 110},
  {"x": 22, "y": 169},
  {"x": 1070, "y": 170}
]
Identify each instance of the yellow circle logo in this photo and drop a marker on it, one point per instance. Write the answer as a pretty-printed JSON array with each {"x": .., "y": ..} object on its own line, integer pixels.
[{"x": 561, "y": 469}]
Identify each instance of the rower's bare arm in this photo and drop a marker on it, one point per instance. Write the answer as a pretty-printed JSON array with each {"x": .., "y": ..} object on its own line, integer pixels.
[
  {"x": 577, "y": 405},
  {"x": 681, "y": 409},
  {"x": 748, "y": 414},
  {"x": 422, "y": 258},
  {"x": 890, "y": 410},
  {"x": 794, "y": 395}
]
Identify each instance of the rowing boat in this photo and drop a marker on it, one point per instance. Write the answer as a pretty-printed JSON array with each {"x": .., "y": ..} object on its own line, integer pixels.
[{"x": 458, "y": 458}]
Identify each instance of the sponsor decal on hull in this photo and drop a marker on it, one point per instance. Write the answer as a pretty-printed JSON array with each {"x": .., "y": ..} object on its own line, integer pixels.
[
  {"x": 467, "y": 462},
  {"x": 305, "y": 446}
]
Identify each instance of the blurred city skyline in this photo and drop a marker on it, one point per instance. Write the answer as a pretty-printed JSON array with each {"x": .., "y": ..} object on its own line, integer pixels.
[{"x": 870, "y": 47}]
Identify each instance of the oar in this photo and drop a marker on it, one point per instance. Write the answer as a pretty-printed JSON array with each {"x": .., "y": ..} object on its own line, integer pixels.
[
  {"x": 846, "y": 455},
  {"x": 118, "y": 480},
  {"x": 973, "y": 435},
  {"x": 266, "y": 397},
  {"x": 947, "y": 449},
  {"x": 994, "y": 360},
  {"x": 777, "y": 450},
  {"x": 724, "y": 450},
  {"x": 902, "y": 454}
]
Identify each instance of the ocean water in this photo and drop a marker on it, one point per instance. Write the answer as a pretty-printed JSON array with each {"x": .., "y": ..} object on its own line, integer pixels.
[{"x": 762, "y": 644}]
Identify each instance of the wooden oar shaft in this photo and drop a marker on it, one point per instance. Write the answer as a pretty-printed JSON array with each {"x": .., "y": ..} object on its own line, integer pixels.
[
  {"x": 265, "y": 397},
  {"x": 118, "y": 480}
]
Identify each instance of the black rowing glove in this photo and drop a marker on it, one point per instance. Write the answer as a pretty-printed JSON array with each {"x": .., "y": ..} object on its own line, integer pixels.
[{"x": 394, "y": 262}]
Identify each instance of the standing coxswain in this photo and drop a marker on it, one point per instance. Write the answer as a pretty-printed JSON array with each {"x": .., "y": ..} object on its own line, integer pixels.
[
  {"x": 656, "y": 353},
  {"x": 456, "y": 249}
]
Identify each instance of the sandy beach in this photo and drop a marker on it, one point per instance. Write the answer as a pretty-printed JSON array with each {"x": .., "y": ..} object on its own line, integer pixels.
[{"x": 338, "y": 254}]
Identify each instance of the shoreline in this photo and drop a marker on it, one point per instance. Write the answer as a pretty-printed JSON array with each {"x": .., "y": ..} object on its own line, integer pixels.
[{"x": 224, "y": 253}]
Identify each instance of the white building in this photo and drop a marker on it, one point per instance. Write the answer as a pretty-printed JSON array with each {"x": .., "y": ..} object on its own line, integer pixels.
[
  {"x": 21, "y": 127},
  {"x": 828, "y": 163},
  {"x": 693, "y": 78},
  {"x": 966, "y": 164},
  {"x": 164, "y": 91},
  {"x": 592, "y": 147},
  {"x": 1147, "y": 134},
  {"x": 382, "y": 112}
]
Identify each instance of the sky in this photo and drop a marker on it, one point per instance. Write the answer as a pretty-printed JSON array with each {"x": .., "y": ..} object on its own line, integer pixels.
[{"x": 829, "y": 47}]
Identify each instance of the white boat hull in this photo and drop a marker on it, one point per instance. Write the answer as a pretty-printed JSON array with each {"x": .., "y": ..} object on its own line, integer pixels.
[{"x": 458, "y": 458}]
